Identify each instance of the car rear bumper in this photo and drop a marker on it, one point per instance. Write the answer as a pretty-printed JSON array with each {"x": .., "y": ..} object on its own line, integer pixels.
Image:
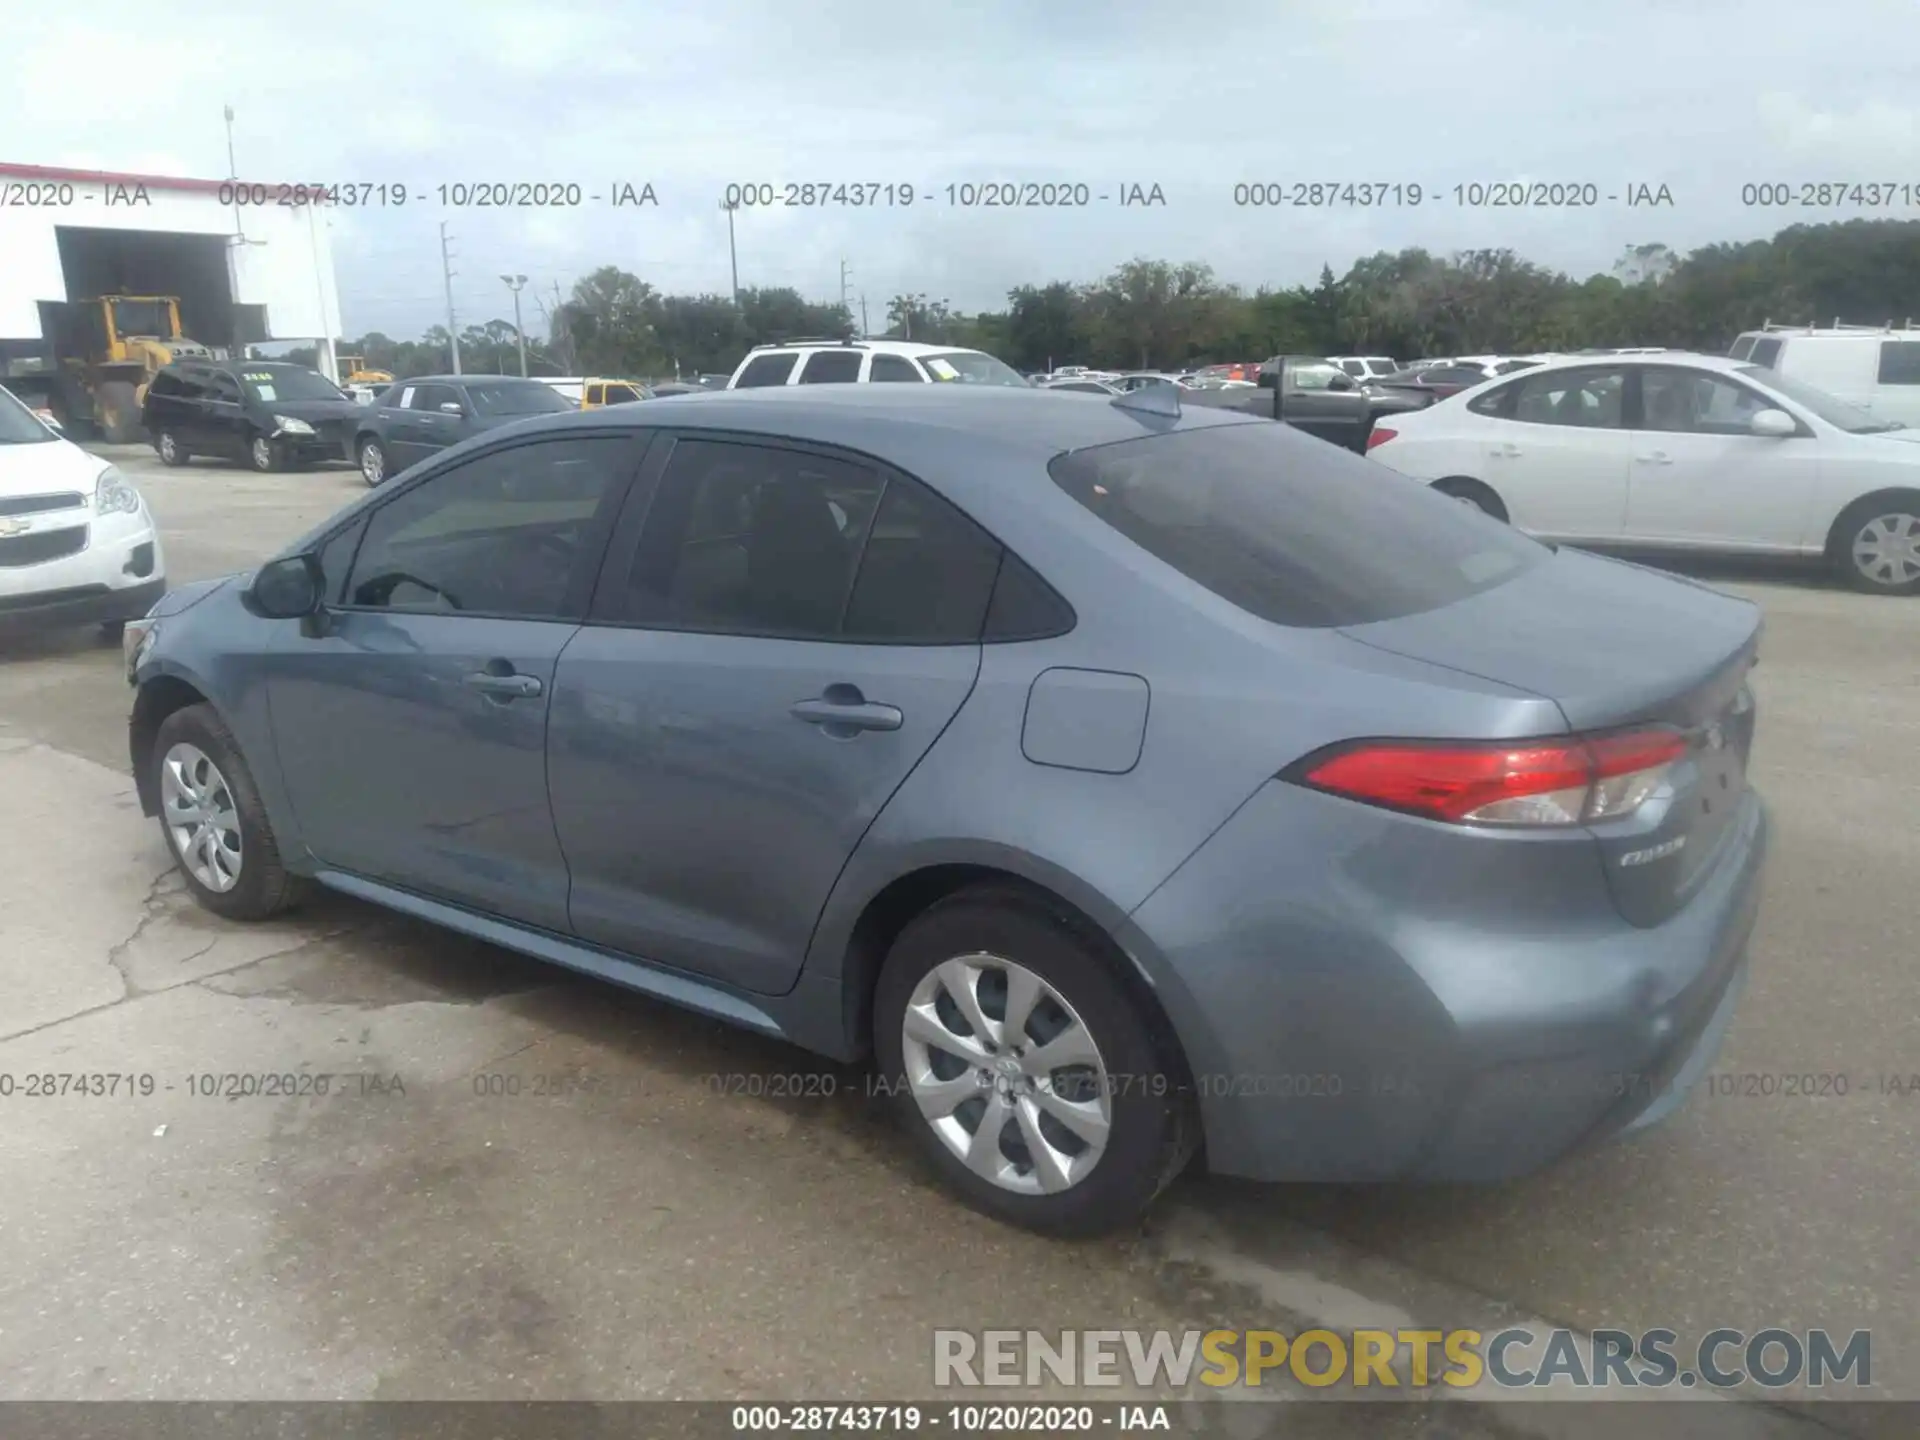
[
  {"x": 118, "y": 575},
  {"x": 1338, "y": 1031}
]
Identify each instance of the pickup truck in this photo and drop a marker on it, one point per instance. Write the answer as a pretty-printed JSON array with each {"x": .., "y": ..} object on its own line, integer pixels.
[{"x": 1313, "y": 394}]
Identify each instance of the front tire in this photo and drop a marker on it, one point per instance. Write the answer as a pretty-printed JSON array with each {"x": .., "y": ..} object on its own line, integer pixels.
[
  {"x": 170, "y": 450},
  {"x": 1875, "y": 546},
  {"x": 264, "y": 456},
  {"x": 373, "y": 461},
  {"x": 211, "y": 815},
  {"x": 1024, "y": 1069}
]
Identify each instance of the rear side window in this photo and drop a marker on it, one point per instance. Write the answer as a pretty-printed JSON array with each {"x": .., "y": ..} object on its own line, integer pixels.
[
  {"x": 926, "y": 574},
  {"x": 1497, "y": 402},
  {"x": 766, "y": 370},
  {"x": 893, "y": 367},
  {"x": 1900, "y": 362},
  {"x": 1765, "y": 352},
  {"x": 1290, "y": 529},
  {"x": 166, "y": 383},
  {"x": 831, "y": 367}
]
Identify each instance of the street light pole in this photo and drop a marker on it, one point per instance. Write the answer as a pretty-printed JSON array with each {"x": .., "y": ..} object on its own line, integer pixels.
[
  {"x": 513, "y": 283},
  {"x": 733, "y": 255}
]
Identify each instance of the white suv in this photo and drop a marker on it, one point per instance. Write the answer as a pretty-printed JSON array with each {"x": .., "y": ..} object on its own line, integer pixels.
[
  {"x": 77, "y": 543},
  {"x": 1876, "y": 368},
  {"x": 861, "y": 362}
]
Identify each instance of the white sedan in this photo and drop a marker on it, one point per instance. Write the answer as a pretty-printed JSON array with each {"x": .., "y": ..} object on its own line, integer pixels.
[
  {"x": 1680, "y": 452},
  {"x": 77, "y": 543}
]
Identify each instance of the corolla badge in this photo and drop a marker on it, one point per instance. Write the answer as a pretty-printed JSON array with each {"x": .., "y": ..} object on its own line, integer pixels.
[{"x": 1654, "y": 852}]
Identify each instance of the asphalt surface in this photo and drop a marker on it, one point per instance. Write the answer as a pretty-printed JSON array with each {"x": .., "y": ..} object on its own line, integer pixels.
[{"x": 453, "y": 1221}]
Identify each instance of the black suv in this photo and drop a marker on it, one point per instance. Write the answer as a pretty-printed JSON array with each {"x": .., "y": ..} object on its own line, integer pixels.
[
  {"x": 267, "y": 413},
  {"x": 412, "y": 419}
]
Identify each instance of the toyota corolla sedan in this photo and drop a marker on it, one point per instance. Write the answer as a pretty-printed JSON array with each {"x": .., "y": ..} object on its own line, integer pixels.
[{"x": 1129, "y": 783}]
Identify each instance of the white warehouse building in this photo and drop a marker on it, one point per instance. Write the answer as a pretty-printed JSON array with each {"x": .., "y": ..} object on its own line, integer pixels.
[{"x": 242, "y": 273}]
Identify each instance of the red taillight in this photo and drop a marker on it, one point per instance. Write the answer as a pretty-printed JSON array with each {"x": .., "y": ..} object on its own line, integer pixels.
[
  {"x": 1544, "y": 782},
  {"x": 1380, "y": 436}
]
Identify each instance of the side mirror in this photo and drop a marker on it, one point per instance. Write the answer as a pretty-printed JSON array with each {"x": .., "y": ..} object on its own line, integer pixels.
[
  {"x": 288, "y": 589},
  {"x": 1267, "y": 380},
  {"x": 452, "y": 407},
  {"x": 1342, "y": 381},
  {"x": 1773, "y": 424}
]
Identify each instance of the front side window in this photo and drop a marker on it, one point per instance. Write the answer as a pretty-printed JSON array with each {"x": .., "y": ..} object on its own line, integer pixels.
[
  {"x": 1312, "y": 374},
  {"x": 1589, "y": 398},
  {"x": 1292, "y": 530},
  {"x": 432, "y": 397},
  {"x": 1697, "y": 403},
  {"x": 1830, "y": 408},
  {"x": 222, "y": 386},
  {"x": 502, "y": 534}
]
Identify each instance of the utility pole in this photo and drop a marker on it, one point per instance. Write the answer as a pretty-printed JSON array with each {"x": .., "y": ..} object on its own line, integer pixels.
[
  {"x": 446, "y": 270},
  {"x": 733, "y": 255},
  {"x": 513, "y": 283},
  {"x": 864, "y": 332},
  {"x": 843, "y": 290}
]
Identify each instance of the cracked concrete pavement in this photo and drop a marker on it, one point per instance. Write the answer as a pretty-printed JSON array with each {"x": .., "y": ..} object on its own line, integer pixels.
[{"x": 524, "y": 1184}]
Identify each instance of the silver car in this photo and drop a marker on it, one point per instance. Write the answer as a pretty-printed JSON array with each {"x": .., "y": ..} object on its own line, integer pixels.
[{"x": 1127, "y": 783}]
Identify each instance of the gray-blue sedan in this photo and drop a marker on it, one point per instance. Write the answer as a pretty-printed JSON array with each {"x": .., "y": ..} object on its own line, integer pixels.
[{"x": 1128, "y": 783}]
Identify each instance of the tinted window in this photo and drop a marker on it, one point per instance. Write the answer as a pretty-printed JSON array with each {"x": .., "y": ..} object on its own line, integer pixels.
[
  {"x": 1695, "y": 402},
  {"x": 1024, "y": 607},
  {"x": 515, "y": 397},
  {"x": 596, "y": 394},
  {"x": 432, "y": 397},
  {"x": 1291, "y": 529},
  {"x": 222, "y": 386},
  {"x": 1742, "y": 348},
  {"x": 501, "y": 534},
  {"x": 336, "y": 560},
  {"x": 831, "y": 367},
  {"x": 1354, "y": 367},
  {"x": 766, "y": 370},
  {"x": 1571, "y": 397},
  {"x": 1899, "y": 362},
  {"x": 1765, "y": 352},
  {"x": 621, "y": 394},
  {"x": 166, "y": 383},
  {"x": 926, "y": 574},
  {"x": 893, "y": 367},
  {"x": 752, "y": 539},
  {"x": 289, "y": 382}
]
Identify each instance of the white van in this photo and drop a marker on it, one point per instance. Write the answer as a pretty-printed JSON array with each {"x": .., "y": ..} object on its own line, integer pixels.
[{"x": 1874, "y": 367}]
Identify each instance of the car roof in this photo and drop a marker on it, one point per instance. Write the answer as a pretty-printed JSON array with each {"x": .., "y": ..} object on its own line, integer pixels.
[
  {"x": 1724, "y": 363},
  {"x": 878, "y": 347},
  {"x": 470, "y": 380},
  {"x": 898, "y": 423}
]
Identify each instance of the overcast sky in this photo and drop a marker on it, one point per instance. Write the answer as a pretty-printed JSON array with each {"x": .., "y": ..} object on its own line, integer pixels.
[{"x": 1703, "y": 96}]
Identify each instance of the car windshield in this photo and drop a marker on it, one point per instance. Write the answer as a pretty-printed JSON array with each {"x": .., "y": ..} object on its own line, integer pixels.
[
  {"x": 142, "y": 317},
  {"x": 529, "y": 397},
  {"x": 290, "y": 383},
  {"x": 1830, "y": 408},
  {"x": 19, "y": 425},
  {"x": 972, "y": 367},
  {"x": 1291, "y": 529}
]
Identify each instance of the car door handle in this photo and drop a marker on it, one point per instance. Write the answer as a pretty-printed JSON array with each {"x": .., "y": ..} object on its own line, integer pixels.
[
  {"x": 847, "y": 713},
  {"x": 508, "y": 686},
  {"x": 1656, "y": 457},
  {"x": 1510, "y": 451}
]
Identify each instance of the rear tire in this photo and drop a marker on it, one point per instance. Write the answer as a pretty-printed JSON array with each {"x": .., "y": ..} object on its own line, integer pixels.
[
  {"x": 1133, "y": 1126},
  {"x": 170, "y": 450},
  {"x": 1472, "y": 492},
  {"x": 213, "y": 821},
  {"x": 1875, "y": 544}
]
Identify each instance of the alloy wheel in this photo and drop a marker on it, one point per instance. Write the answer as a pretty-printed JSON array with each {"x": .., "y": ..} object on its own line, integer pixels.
[
  {"x": 262, "y": 453},
  {"x": 373, "y": 464},
  {"x": 169, "y": 448},
  {"x": 1886, "y": 550},
  {"x": 1006, "y": 1073},
  {"x": 198, "y": 810}
]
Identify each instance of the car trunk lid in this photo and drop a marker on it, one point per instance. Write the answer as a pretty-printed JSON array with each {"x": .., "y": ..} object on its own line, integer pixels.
[{"x": 1616, "y": 646}]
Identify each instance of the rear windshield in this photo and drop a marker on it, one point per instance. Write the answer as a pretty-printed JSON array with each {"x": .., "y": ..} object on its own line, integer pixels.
[
  {"x": 1290, "y": 528},
  {"x": 529, "y": 398}
]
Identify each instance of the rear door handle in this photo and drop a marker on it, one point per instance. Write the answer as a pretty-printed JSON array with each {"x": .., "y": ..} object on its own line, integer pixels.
[
  {"x": 844, "y": 710},
  {"x": 508, "y": 686},
  {"x": 1657, "y": 457}
]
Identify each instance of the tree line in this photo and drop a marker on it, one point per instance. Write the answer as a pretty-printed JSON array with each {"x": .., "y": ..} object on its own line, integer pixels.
[{"x": 1158, "y": 314}]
